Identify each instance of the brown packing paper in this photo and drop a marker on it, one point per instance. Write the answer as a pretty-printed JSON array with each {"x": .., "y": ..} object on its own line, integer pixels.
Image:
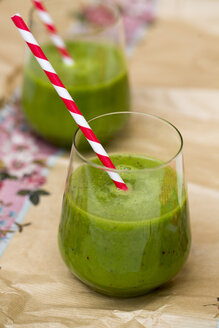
[{"x": 37, "y": 290}]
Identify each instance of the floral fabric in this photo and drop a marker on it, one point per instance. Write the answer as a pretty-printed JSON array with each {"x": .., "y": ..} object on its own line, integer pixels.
[{"x": 25, "y": 160}]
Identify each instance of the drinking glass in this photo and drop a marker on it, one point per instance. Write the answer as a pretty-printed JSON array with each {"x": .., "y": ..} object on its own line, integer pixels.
[
  {"x": 98, "y": 79},
  {"x": 126, "y": 243}
]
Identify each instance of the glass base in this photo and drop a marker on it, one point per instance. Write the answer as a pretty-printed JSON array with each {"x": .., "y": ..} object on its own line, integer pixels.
[{"x": 117, "y": 292}]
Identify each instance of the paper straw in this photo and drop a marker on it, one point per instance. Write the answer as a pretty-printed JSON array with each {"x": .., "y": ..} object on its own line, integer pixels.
[
  {"x": 67, "y": 99},
  {"x": 56, "y": 39}
]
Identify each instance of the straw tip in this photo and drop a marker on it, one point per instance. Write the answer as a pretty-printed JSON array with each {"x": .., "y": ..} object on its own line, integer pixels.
[
  {"x": 15, "y": 15},
  {"x": 124, "y": 188},
  {"x": 68, "y": 61}
]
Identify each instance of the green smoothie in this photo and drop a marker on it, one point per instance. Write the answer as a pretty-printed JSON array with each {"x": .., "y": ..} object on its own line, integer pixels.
[
  {"x": 124, "y": 243},
  {"x": 97, "y": 82}
]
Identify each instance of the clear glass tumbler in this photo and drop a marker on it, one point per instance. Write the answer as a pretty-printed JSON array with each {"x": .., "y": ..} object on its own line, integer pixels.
[
  {"x": 98, "y": 79},
  {"x": 126, "y": 243}
]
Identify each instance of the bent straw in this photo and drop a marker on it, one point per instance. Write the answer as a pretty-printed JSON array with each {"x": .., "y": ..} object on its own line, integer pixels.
[
  {"x": 67, "y": 99},
  {"x": 56, "y": 39}
]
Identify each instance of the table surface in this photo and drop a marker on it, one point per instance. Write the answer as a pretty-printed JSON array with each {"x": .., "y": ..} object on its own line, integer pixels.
[{"x": 174, "y": 74}]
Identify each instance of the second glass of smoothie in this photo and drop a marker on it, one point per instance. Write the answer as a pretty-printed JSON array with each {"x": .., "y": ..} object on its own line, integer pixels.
[
  {"x": 126, "y": 243},
  {"x": 98, "y": 80}
]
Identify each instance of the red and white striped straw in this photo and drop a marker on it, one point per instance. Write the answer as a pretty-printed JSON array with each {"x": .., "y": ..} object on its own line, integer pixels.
[
  {"x": 67, "y": 99},
  {"x": 56, "y": 39}
]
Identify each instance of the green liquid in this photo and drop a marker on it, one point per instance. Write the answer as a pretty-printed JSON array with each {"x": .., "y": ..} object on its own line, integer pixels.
[
  {"x": 97, "y": 82},
  {"x": 124, "y": 243}
]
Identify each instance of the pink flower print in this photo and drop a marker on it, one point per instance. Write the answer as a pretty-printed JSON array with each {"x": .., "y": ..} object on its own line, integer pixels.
[
  {"x": 141, "y": 9},
  {"x": 19, "y": 143},
  {"x": 19, "y": 164},
  {"x": 98, "y": 15},
  {"x": 131, "y": 24},
  {"x": 33, "y": 181}
]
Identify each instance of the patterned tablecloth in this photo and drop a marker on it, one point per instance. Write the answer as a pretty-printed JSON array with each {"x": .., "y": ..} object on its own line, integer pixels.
[{"x": 174, "y": 74}]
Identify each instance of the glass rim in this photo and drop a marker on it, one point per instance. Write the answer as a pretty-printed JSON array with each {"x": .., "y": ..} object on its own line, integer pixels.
[
  {"x": 101, "y": 167},
  {"x": 95, "y": 30}
]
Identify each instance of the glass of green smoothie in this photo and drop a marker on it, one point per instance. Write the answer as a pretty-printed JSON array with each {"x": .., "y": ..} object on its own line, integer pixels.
[
  {"x": 127, "y": 243},
  {"x": 97, "y": 81}
]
